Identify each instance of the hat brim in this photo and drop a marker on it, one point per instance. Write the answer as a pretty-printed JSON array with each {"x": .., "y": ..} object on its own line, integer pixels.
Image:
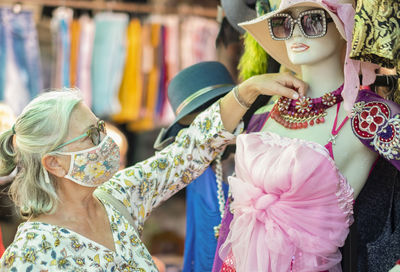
[
  {"x": 259, "y": 29},
  {"x": 197, "y": 103},
  {"x": 236, "y": 11}
]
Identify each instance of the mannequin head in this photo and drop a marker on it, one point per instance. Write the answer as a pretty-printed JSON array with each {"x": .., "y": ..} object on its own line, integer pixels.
[{"x": 308, "y": 51}]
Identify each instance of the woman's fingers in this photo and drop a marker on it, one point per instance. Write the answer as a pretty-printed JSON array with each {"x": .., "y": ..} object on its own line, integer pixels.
[
  {"x": 286, "y": 91},
  {"x": 282, "y": 84},
  {"x": 292, "y": 82}
]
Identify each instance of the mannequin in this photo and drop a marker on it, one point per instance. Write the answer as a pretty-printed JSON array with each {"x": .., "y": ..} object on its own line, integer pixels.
[
  {"x": 320, "y": 61},
  {"x": 322, "y": 68}
]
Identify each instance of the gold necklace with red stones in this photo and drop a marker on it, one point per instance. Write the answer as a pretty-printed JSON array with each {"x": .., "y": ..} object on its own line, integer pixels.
[{"x": 298, "y": 114}]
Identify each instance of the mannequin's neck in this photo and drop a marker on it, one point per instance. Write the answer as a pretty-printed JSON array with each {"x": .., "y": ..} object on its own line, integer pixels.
[{"x": 324, "y": 76}]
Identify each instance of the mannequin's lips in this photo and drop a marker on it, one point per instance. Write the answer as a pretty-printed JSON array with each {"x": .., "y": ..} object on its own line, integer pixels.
[{"x": 299, "y": 47}]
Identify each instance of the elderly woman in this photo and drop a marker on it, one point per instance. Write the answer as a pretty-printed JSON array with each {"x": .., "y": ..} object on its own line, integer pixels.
[{"x": 67, "y": 179}]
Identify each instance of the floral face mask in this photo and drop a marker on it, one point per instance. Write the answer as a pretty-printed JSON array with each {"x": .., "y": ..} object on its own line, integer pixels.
[{"x": 93, "y": 166}]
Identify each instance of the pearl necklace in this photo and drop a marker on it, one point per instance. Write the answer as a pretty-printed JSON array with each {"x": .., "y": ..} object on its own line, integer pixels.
[
  {"x": 298, "y": 114},
  {"x": 220, "y": 192}
]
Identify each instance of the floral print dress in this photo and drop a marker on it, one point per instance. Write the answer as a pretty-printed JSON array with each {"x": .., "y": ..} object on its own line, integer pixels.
[{"x": 142, "y": 187}]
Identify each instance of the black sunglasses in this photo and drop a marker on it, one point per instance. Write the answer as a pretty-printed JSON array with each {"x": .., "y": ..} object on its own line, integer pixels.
[{"x": 312, "y": 24}]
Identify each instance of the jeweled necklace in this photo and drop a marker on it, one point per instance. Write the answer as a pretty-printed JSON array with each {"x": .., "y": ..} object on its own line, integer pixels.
[{"x": 298, "y": 114}]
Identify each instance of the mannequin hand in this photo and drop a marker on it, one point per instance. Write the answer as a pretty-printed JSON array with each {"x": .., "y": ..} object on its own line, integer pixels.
[{"x": 282, "y": 84}]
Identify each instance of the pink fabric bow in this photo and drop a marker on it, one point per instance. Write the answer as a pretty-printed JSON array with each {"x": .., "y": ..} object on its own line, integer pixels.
[{"x": 287, "y": 206}]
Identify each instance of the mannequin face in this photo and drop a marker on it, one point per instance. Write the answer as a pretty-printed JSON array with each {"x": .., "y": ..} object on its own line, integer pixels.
[{"x": 306, "y": 51}]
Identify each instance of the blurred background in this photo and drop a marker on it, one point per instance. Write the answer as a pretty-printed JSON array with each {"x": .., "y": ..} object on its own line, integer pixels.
[{"x": 121, "y": 55}]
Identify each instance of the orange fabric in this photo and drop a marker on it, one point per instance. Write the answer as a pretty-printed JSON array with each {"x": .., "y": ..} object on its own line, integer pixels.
[
  {"x": 151, "y": 89},
  {"x": 75, "y": 36},
  {"x": 131, "y": 90}
]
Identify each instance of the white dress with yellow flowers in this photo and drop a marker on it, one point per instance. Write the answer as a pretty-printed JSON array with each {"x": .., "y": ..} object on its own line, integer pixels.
[{"x": 142, "y": 187}]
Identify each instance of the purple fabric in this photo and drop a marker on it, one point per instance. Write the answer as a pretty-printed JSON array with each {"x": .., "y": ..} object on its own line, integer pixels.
[
  {"x": 256, "y": 123},
  {"x": 376, "y": 122},
  {"x": 223, "y": 233}
]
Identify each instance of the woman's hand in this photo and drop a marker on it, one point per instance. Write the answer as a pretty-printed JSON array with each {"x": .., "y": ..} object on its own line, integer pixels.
[{"x": 283, "y": 84}]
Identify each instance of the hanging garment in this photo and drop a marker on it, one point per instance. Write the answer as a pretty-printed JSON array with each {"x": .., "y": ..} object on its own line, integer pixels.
[
  {"x": 108, "y": 62},
  {"x": 131, "y": 90},
  {"x": 151, "y": 71},
  {"x": 162, "y": 88},
  {"x": 198, "y": 37},
  {"x": 19, "y": 45},
  {"x": 377, "y": 215},
  {"x": 202, "y": 215},
  {"x": 60, "y": 22},
  {"x": 75, "y": 43},
  {"x": 376, "y": 36},
  {"x": 86, "y": 39}
]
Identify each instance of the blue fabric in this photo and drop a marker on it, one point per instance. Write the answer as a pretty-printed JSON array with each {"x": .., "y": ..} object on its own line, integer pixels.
[
  {"x": 20, "y": 31},
  {"x": 161, "y": 82},
  {"x": 65, "y": 45},
  {"x": 108, "y": 61},
  {"x": 202, "y": 214}
]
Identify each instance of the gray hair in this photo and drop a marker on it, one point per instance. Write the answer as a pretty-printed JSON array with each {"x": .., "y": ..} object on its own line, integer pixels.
[{"x": 41, "y": 127}]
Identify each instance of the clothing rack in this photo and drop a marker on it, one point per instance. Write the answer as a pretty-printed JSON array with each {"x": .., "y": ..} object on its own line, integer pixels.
[{"x": 182, "y": 9}]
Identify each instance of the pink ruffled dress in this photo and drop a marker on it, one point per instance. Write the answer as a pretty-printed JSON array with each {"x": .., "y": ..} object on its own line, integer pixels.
[{"x": 292, "y": 207}]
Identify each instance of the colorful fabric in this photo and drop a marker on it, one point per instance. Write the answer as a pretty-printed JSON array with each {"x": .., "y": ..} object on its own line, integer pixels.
[
  {"x": 376, "y": 36},
  {"x": 84, "y": 81},
  {"x": 20, "y": 68},
  {"x": 304, "y": 191},
  {"x": 151, "y": 52},
  {"x": 131, "y": 89},
  {"x": 202, "y": 215},
  {"x": 75, "y": 36},
  {"x": 141, "y": 188},
  {"x": 256, "y": 123},
  {"x": 60, "y": 22},
  {"x": 376, "y": 122},
  {"x": 1, "y": 244},
  {"x": 108, "y": 61}
]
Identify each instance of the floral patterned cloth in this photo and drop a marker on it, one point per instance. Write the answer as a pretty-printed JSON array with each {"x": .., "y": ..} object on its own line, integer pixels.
[
  {"x": 376, "y": 122},
  {"x": 142, "y": 187}
]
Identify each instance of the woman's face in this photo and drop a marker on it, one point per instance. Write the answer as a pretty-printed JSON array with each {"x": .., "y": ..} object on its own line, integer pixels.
[
  {"x": 308, "y": 51},
  {"x": 81, "y": 119}
]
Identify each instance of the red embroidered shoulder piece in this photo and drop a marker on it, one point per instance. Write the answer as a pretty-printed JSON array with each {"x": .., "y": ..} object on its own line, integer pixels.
[{"x": 376, "y": 122}]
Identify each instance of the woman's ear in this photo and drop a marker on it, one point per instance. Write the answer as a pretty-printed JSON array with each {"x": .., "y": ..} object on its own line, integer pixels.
[{"x": 54, "y": 165}]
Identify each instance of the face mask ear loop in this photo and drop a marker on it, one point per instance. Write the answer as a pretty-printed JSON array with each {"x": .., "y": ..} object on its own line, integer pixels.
[{"x": 46, "y": 176}]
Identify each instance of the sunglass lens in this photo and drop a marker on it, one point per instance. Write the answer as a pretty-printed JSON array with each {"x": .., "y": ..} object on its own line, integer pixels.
[
  {"x": 312, "y": 24},
  {"x": 281, "y": 26},
  {"x": 95, "y": 136},
  {"x": 102, "y": 126}
]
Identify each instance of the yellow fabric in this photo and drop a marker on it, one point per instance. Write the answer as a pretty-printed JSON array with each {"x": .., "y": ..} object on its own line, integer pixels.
[
  {"x": 151, "y": 89},
  {"x": 75, "y": 36},
  {"x": 131, "y": 89},
  {"x": 376, "y": 35}
]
